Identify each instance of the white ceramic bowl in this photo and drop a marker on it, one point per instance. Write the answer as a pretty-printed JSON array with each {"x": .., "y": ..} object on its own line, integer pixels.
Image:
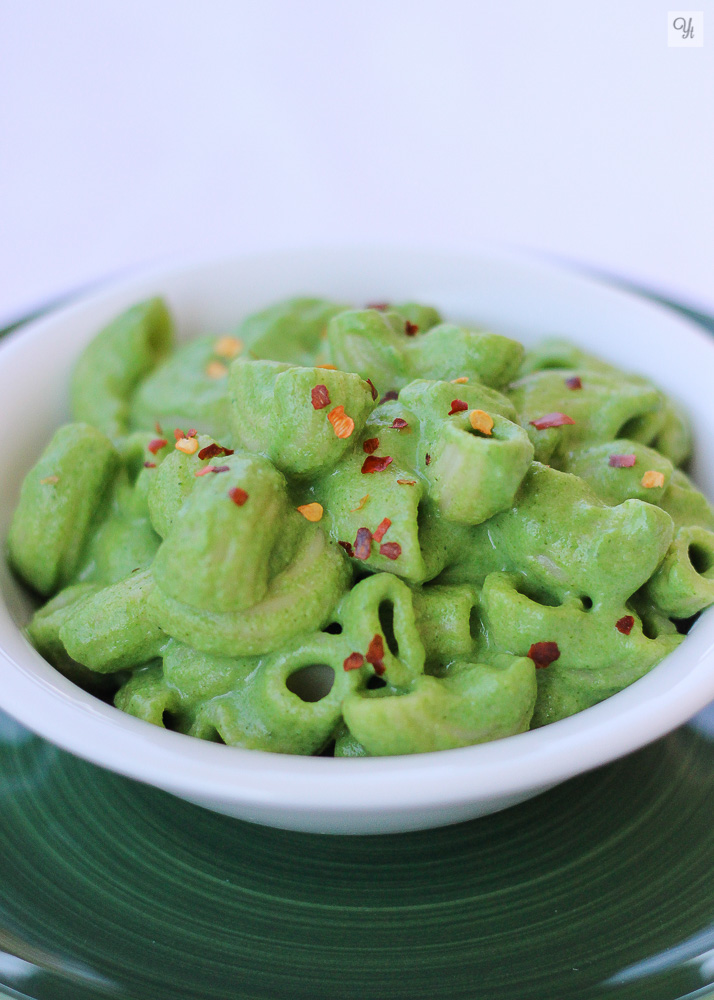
[{"x": 517, "y": 296}]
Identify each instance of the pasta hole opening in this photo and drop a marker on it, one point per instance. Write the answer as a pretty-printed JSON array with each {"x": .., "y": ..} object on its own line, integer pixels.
[
  {"x": 587, "y": 603},
  {"x": 540, "y": 595},
  {"x": 553, "y": 364},
  {"x": 334, "y": 628},
  {"x": 311, "y": 683},
  {"x": 701, "y": 557},
  {"x": 386, "y": 623},
  {"x": 423, "y": 522},
  {"x": 169, "y": 720},
  {"x": 637, "y": 428},
  {"x": 475, "y": 629},
  {"x": 684, "y": 625}
]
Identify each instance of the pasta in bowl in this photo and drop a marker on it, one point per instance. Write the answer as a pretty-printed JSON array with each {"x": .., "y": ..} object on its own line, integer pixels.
[
  {"x": 468, "y": 539},
  {"x": 360, "y": 531}
]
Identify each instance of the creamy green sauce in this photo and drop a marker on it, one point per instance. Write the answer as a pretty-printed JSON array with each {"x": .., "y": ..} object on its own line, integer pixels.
[{"x": 364, "y": 532}]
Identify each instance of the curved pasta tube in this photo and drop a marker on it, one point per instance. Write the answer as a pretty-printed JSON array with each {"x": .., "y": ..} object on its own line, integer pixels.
[
  {"x": 471, "y": 703},
  {"x": 274, "y": 413},
  {"x": 596, "y": 657},
  {"x": 267, "y": 714},
  {"x": 566, "y": 542},
  {"x": 353, "y": 500},
  {"x": 447, "y": 352},
  {"x": 431, "y": 400},
  {"x": 473, "y": 477},
  {"x": 445, "y": 618},
  {"x": 146, "y": 695},
  {"x": 674, "y": 438},
  {"x": 114, "y": 363},
  {"x": 685, "y": 504},
  {"x": 615, "y": 484},
  {"x": 242, "y": 579},
  {"x": 189, "y": 389},
  {"x": 141, "y": 454},
  {"x": 172, "y": 482},
  {"x": 605, "y": 407},
  {"x": 253, "y": 702},
  {"x": 421, "y": 316},
  {"x": 123, "y": 539},
  {"x": 370, "y": 343},
  {"x": 113, "y": 629},
  {"x": 553, "y": 353},
  {"x": 655, "y": 622},
  {"x": 684, "y": 583},
  {"x": 44, "y": 633},
  {"x": 472, "y": 473},
  {"x": 381, "y": 607},
  {"x": 346, "y": 745},
  {"x": 59, "y": 499},
  {"x": 270, "y": 623},
  {"x": 292, "y": 330},
  {"x": 219, "y": 556},
  {"x": 182, "y": 684}
]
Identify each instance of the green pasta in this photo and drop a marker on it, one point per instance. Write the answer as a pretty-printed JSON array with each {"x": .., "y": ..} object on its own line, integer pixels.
[{"x": 358, "y": 531}]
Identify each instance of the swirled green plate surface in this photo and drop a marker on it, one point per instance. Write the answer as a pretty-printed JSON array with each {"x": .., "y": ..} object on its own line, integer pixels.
[{"x": 601, "y": 889}]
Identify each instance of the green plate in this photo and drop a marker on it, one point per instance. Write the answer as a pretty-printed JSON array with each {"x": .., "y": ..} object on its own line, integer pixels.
[{"x": 601, "y": 889}]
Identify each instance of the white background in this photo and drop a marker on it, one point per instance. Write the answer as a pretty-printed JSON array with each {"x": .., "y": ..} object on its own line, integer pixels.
[{"x": 134, "y": 130}]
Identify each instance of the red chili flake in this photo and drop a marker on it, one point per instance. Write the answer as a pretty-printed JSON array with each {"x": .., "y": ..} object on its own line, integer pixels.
[
  {"x": 212, "y": 450},
  {"x": 574, "y": 382},
  {"x": 157, "y": 428},
  {"x": 399, "y": 423},
  {"x": 392, "y": 550},
  {"x": 411, "y": 329},
  {"x": 156, "y": 445},
  {"x": 457, "y": 406},
  {"x": 622, "y": 461},
  {"x": 379, "y": 306},
  {"x": 407, "y": 482},
  {"x": 370, "y": 445},
  {"x": 342, "y": 424},
  {"x": 347, "y": 546},
  {"x": 544, "y": 653},
  {"x": 354, "y": 661},
  {"x": 625, "y": 624},
  {"x": 375, "y": 654},
  {"x": 551, "y": 420},
  {"x": 427, "y": 458},
  {"x": 149, "y": 465},
  {"x": 192, "y": 433},
  {"x": 363, "y": 543},
  {"x": 371, "y": 386},
  {"x": 392, "y": 394},
  {"x": 179, "y": 434},
  {"x": 382, "y": 530},
  {"x": 320, "y": 397},
  {"x": 238, "y": 496},
  {"x": 212, "y": 468},
  {"x": 374, "y": 464}
]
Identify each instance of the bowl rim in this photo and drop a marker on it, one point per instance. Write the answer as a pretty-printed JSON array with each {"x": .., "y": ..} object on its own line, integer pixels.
[{"x": 47, "y": 703}]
